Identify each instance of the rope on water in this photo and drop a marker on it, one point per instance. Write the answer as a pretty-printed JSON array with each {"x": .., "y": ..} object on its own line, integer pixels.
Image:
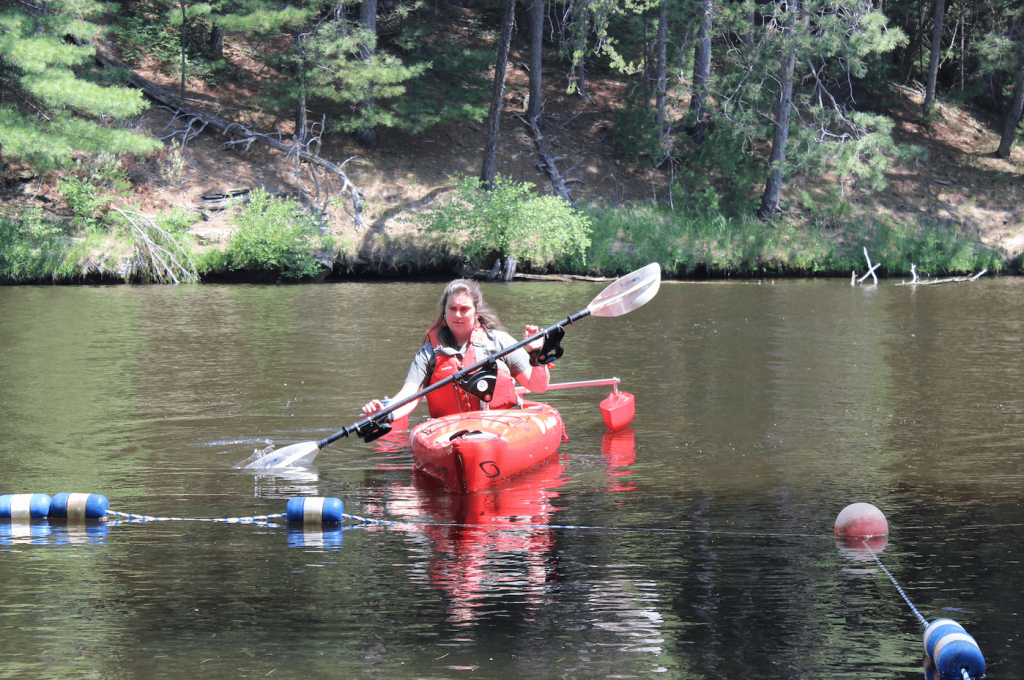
[
  {"x": 924, "y": 621},
  {"x": 263, "y": 520},
  {"x": 514, "y": 525}
]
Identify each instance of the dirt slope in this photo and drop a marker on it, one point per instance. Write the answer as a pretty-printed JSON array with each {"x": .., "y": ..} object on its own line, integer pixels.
[{"x": 962, "y": 183}]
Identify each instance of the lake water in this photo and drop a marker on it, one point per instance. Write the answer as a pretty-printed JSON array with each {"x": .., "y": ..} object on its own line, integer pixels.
[{"x": 763, "y": 409}]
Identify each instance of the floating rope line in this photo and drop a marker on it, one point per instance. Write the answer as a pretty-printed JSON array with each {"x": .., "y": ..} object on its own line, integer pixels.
[
  {"x": 513, "y": 525},
  {"x": 263, "y": 520},
  {"x": 924, "y": 621}
]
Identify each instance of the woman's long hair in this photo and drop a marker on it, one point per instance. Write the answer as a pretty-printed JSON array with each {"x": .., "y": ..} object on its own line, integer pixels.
[{"x": 485, "y": 316}]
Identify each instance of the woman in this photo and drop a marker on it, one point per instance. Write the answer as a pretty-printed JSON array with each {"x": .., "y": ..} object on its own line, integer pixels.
[{"x": 466, "y": 331}]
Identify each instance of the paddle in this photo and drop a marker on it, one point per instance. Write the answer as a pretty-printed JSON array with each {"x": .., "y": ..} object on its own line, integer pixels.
[{"x": 621, "y": 297}]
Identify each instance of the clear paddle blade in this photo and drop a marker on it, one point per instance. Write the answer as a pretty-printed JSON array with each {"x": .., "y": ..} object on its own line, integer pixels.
[
  {"x": 628, "y": 293},
  {"x": 296, "y": 455}
]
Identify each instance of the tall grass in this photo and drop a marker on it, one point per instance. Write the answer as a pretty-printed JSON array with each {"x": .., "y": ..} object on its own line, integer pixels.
[{"x": 710, "y": 244}]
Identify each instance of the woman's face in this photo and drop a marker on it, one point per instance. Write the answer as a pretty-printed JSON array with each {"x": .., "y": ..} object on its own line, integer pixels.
[{"x": 460, "y": 315}]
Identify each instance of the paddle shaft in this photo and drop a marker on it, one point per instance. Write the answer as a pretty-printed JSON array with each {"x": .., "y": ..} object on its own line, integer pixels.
[{"x": 345, "y": 431}]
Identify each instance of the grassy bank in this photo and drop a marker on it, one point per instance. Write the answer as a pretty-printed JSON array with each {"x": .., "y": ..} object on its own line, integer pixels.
[
  {"x": 713, "y": 245},
  {"x": 274, "y": 240}
]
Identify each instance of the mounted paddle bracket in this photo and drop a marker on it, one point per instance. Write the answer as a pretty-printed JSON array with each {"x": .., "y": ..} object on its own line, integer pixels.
[
  {"x": 373, "y": 430},
  {"x": 552, "y": 348},
  {"x": 481, "y": 382}
]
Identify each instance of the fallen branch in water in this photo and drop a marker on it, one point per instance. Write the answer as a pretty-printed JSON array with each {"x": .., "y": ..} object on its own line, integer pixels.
[
  {"x": 156, "y": 255},
  {"x": 871, "y": 268},
  {"x": 956, "y": 279}
]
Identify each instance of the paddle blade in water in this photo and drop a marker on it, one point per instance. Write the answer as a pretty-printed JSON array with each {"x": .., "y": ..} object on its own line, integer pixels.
[
  {"x": 296, "y": 455},
  {"x": 628, "y": 293}
]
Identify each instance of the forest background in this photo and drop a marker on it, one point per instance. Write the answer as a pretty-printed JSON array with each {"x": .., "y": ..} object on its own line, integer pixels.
[{"x": 263, "y": 139}]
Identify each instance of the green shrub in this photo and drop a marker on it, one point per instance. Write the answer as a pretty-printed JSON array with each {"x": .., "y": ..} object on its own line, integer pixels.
[
  {"x": 511, "y": 220},
  {"x": 211, "y": 260},
  {"x": 90, "y": 186},
  {"x": 176, "y": 221},
  {"x": 85, "y": 201},
  {"x": 275, "y": 235},
  {"x": 31, "y": 249}
]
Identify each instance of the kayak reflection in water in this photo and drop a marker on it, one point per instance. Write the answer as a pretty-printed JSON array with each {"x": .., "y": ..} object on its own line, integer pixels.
[{"x": 465, "y": 332}]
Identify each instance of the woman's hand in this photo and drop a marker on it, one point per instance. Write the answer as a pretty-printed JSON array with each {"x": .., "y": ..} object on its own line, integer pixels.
[
  {"x": 372, "y": 407},
  {"x": 536, "y": 344}
]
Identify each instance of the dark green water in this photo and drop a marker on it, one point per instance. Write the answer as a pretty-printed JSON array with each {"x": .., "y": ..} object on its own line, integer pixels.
[{"x": 762, "y": 411}]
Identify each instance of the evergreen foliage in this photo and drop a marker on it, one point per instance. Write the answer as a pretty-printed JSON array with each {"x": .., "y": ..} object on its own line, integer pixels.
[
  {"x": 339, "y": 73},
  {"x": 58, "y": 108}
]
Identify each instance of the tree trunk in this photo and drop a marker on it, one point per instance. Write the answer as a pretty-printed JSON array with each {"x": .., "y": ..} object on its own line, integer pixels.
[
  {"x": 498, "y": 94},
  {"x": 368, "y": 19},
  {"x": 184, "y": 38},
  {"x": 533, "y": 112},
  {"x": 702, "y": 71},
  {"x": 661, "y": 72},
  {"x": 217, "y": 42},
  {"x": 773, "y": 187},
  {"x": 1014, "y": 114},
  {"x": 299, "y": 70},
  {"x": 933, "y": 65},
  {"x": 581, "y": 82}
]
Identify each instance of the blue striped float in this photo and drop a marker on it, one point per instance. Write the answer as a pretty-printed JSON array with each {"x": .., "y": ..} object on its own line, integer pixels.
[
  {"x": 951, "y": 649},
  {"x": 79, "y": 506},
  {"x": 315, "y": 510},
  {"x": 24, "y": 506}
]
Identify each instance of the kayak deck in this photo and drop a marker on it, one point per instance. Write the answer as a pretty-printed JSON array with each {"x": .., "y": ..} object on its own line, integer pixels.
[{"x": 473, "y": 451}]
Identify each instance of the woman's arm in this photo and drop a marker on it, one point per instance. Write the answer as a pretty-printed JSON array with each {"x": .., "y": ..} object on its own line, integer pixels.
[
  {"x": 534, "y": 378},
  {"x": 408, "y": 389}
]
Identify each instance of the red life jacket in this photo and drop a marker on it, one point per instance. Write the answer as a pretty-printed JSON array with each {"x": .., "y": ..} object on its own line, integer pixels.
[{"x": 451, "y": 399}]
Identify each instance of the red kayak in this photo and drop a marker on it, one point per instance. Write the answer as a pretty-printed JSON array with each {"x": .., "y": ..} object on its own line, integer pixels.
[{"x": 474, "y": 451}]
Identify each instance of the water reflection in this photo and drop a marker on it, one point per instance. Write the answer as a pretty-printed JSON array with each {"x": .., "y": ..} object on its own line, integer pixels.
[
  {"x": 619, "y": 451},
  {"x": 55, "y": 532},
  {"x": 23, "y": 531},
  {"x": 316, "y": 536},
  {"x": 497, "y": 548}
]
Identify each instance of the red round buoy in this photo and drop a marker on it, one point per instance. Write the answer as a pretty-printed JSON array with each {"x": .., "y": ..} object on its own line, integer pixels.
[{"x": 861, "y": 519}]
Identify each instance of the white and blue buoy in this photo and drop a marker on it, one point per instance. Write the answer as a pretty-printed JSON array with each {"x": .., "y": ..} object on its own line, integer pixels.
[
  {"x": 952, "y": 650},
  {"x": 315, "y": 510},
  {"x": 24, "y": 506},
  {"x": 79, "y": 506}
]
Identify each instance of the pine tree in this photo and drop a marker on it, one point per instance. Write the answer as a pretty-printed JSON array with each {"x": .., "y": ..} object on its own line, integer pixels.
[
  {"x": 53, "y": 104},
  {"x": 828, "y": 46},
  {"x": 933, "y": 63},
  {"x": 702, "y": 69}
]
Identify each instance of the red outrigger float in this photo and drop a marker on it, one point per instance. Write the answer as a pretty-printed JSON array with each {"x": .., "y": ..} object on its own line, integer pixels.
[{"x": 474, "y": 451}]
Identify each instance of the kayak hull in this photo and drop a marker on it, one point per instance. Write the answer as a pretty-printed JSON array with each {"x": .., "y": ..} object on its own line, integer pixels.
[{"x": 475, "y": 451}]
